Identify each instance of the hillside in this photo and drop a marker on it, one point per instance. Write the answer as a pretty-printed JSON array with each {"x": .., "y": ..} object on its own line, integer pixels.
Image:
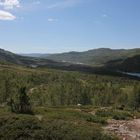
[
  {"x": 9, "y": 57},
  {"x": 65, "y": 105},
  {"x": 131, "y": 64},
  {"x": 94, "y": 57},
  {"x": 121, "y": 64}
]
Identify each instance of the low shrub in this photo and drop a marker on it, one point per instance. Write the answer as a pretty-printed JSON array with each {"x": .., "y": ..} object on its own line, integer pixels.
[
  {"x": 114, "y": 114},
  {"x": 97, "y": 119},
  {"x": 21, "y": 127}
]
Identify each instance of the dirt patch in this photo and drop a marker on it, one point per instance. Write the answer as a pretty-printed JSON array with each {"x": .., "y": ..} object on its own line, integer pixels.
[{"x": 126, "y": 130}]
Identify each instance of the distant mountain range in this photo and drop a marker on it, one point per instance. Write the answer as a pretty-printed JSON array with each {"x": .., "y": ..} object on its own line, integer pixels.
[
  {"x": 9, "y": 57},
  {"x": 108, "y": 59},
  {"x": 39, "y": 55},
  {"x": 94, "y": 57}
]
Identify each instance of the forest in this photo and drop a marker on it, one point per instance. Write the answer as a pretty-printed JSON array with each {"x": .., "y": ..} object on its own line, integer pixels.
[
  {"x": 47, "y": 87},
  {"x": 44, "y": 103}
]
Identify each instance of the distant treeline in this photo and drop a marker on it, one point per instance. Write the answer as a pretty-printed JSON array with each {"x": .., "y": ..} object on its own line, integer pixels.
[{"x": 48, "y": 87}]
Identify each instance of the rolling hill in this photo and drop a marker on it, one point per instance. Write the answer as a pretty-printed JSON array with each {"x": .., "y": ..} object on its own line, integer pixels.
[
  {"x": 130, "y": 64},
  {"x": 94, "y": 57},
  {"x": 9, "y": 57},
  {"x": 108, "y": 66}
]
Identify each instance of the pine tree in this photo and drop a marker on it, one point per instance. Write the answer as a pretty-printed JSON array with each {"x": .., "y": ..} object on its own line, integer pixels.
[{"x": 21, "y": 104}]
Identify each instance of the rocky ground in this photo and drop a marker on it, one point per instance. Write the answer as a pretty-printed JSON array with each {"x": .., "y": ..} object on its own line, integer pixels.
[{"x": 126, "y": 130}]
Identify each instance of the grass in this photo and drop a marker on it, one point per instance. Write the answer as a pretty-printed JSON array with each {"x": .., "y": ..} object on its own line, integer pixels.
[
  {"x": 70, "y": 114},
  {"x": 60, "y": 123},
  {"x": 56, "y": 124}
]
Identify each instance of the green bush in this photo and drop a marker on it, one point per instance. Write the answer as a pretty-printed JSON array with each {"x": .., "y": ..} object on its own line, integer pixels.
[
  {"x": 121, "y": 115},
  {"x": 114, "y": 114},
  {"x": 97, "y": 119},
  {"x": 21, "y": 127}
]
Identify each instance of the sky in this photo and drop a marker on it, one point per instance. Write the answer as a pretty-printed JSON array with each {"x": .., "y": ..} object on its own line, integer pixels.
[{"x": 53, "y": 26}]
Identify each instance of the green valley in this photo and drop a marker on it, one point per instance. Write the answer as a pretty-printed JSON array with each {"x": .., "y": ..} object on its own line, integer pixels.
[{"x": 64, "y": 104}]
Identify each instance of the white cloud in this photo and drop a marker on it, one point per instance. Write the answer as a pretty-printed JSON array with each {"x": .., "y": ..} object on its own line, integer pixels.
[
  {"x": 52, "y": 19},
  {"x": 64, "y": 4},
  {"x": 9, "y": 4},
  {"x": 6, "y": 15}
]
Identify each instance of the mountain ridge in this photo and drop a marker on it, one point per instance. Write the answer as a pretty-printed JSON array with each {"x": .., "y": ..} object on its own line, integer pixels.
[
  {"x": 9, "y": 57},
  {"x": 129, "y": 61},
  {"x": 95, "y": 56}
]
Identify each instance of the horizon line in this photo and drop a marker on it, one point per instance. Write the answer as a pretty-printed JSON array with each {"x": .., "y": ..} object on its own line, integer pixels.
[{"x": 69, "y": 51}]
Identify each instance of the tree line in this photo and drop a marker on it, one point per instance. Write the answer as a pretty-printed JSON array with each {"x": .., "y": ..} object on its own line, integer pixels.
[{"x": 60, "y": 88}]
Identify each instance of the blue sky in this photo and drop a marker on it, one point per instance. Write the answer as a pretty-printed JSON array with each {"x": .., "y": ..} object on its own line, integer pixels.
[{"x": 51, "y": 26}]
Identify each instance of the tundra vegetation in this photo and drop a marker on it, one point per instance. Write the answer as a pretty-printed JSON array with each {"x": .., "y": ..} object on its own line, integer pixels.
[{"x": 48, "y": 104}]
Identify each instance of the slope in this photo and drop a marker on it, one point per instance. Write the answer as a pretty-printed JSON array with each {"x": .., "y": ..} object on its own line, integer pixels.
[{"x": 94, "y": 57}]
